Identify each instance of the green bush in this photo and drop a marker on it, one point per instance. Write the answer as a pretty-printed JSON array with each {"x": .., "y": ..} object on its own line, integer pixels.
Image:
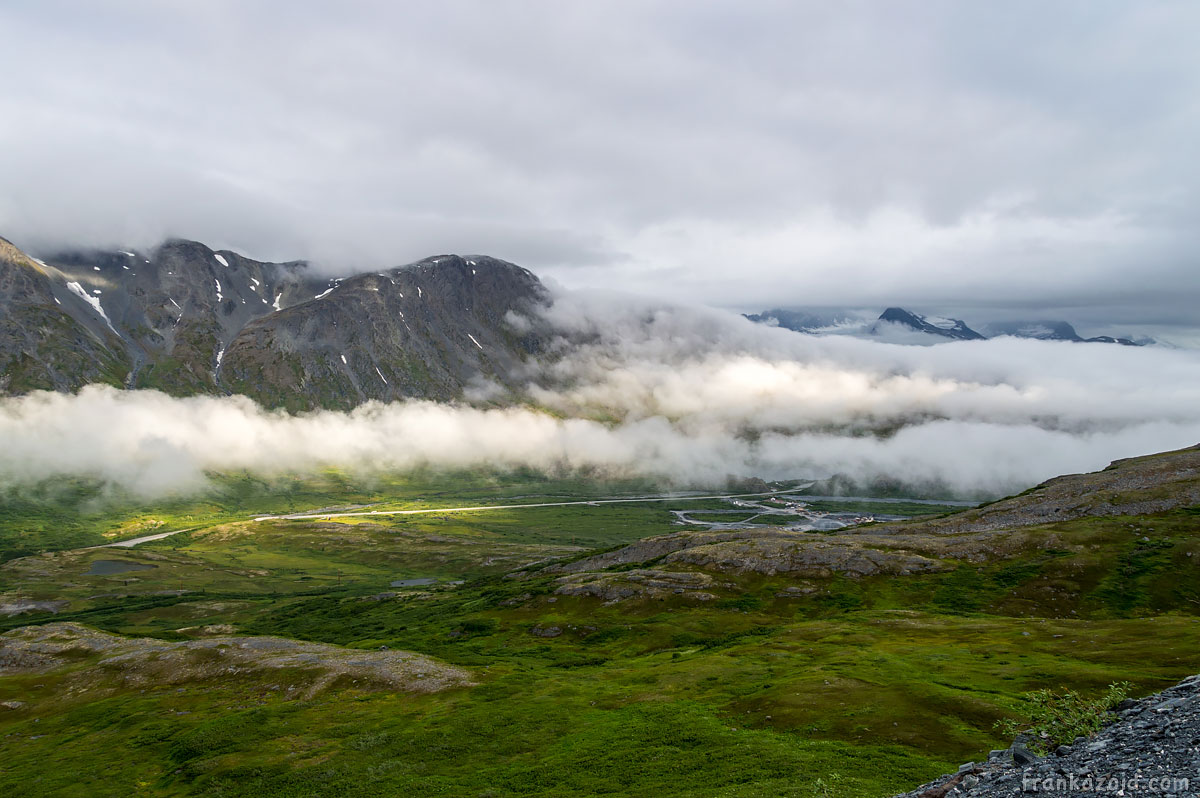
[{"x": 1054, "y": 719}]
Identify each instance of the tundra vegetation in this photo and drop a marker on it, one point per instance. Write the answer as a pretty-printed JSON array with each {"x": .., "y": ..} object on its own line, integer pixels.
[{"x": 593, "y": 649}]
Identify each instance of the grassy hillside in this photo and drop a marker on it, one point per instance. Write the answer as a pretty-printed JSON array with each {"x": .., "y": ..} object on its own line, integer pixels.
[{"x": 827, "y": 681}]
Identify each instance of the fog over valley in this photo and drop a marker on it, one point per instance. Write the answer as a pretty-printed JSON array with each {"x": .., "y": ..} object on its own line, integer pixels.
[{"x": 686, "y": 395}]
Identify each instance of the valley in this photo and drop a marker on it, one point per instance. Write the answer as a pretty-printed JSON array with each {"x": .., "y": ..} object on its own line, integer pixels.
[
  {"x": 595, "y": 642},
  {"x": 615, "y": 400}
]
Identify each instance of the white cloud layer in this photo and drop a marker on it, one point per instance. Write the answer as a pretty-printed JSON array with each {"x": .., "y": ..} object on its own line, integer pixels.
[{"x": 691, "y": 396}]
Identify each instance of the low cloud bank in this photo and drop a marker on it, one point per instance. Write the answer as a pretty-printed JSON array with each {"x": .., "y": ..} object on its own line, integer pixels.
[{"x": 688, "y": 395}]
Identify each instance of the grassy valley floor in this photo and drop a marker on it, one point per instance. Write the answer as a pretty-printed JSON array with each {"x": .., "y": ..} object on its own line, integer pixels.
[{"x": 757, "y": 684}]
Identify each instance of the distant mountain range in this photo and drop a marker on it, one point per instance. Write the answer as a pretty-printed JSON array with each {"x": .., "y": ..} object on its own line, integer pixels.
[
  {"x": 848, "y": 323},
  {"x": 189, "y": 320}
]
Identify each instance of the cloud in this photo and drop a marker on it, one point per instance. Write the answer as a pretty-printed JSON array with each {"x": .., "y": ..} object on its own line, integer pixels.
[
  {"x": 748, "y": 154},
  {"x": 685, "y": 395}
]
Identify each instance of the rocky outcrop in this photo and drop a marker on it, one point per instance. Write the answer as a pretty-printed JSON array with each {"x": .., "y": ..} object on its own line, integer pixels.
[
  {"x": 804, "y": 556},
  {"x": 639, "y": 583},
  {"x": 1152, "y": 747},
  {"x": 1137, "y": 486},
  {"x": 150, "y": 662},
  {"x": 766, "y": 551}
]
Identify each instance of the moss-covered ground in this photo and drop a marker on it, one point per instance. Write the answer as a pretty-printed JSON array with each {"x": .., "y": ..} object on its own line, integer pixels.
[{"x": 859, "y": 687}]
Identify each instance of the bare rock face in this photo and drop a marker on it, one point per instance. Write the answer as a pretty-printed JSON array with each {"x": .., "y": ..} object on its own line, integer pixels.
[
  {"x": 146, "y": 661},
  {"x": 640, "y": 583}
]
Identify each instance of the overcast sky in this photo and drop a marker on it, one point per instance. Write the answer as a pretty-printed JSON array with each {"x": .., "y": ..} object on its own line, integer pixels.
[{"x": 981, "y": 156}]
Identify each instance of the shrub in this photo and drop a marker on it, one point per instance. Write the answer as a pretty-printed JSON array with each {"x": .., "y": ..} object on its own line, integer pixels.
[{"x": 1054, "y": 719}]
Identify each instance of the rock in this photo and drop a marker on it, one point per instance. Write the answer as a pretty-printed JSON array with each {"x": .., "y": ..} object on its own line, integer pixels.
[
  {"x": 1135, "y": 745},
  {"x": 1022, "y": 755},
  {"x": 20, "y": 607},
  {"x": 147, "y": 661},
  {"x": 797, "y": 591},
  {"x": 638, "y": 583},
  {"x": 1167, "y": 706},
  {"x": 545, "y": 631},
  {"x": 516, "y": 601}
]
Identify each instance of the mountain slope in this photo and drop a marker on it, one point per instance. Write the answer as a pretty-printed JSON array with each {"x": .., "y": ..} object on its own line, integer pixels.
[
  {"x": 1081, "y": 517},
  {"x": 43, "y": 344},
  {"x": 186, "y": 319},
  {"x": 1041, "y": 330},
  {"x": 425, "y": 331},
  {"x": 825, "y": 321},
  {"x": 807, "y": 321},
  {"x": 934, "y": 325}
]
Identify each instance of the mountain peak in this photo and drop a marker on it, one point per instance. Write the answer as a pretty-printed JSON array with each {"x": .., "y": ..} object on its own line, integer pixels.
[
  {"x": 185, "y": 318},
  {"x": 935, "y": 325}
]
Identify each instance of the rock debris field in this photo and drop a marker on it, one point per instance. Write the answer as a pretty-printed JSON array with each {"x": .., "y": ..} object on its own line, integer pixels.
[{"x": 1152, "y": 748}]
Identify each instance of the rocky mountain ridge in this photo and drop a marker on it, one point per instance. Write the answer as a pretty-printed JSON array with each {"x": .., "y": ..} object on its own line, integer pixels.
[
  {"x": 826, "y": 322},
  {"x": 187, "y": 319}
]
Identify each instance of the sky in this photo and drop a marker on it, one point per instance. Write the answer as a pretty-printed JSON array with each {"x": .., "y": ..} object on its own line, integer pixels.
[{"x": 1023, "y": 159}]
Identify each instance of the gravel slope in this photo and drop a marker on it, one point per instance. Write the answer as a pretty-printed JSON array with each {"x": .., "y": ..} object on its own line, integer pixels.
[{"x": 1152, "y": 748}]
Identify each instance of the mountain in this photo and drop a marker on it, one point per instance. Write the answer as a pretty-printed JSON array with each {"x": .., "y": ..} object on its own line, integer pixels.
[
  {"x": 50, "y": 334},
  {"x": 815, "y": 320},
  {"x": 1053, "y": 331},
  {"x": 428, "y": 330},
  {"x": 934, "y": 325},
  {"x": 1108, "y": 339},
  {"x": 186, "y": 319},
  {"x": 1041, "y": 330},
  {"x": 819, "y": 321}
]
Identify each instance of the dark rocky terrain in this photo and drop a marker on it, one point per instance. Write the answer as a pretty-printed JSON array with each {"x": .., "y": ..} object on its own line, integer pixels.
[
  {"x": 186, "y": 319},
  {"x": 1152, "y": 747}
]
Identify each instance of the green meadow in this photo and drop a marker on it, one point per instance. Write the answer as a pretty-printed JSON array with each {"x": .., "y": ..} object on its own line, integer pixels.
[{"x": 851, "y": 687}]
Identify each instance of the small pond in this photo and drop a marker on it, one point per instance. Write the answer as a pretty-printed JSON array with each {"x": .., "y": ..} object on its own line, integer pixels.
[
  {"x": 413, "y": 582},
  {"x": 110, "y": 567}
]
